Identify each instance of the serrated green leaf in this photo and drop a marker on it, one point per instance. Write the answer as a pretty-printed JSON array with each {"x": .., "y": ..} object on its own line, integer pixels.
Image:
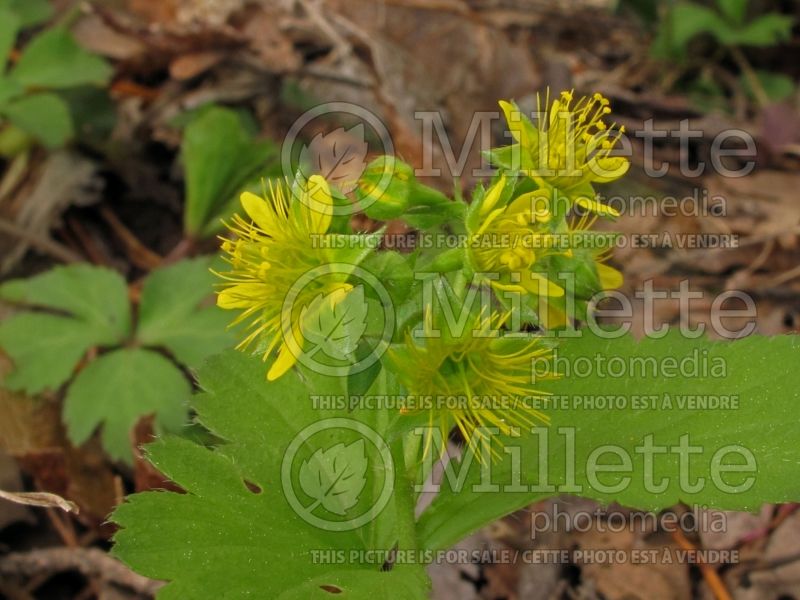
[
  {"x": 44, "y": 116},
  {"x": 405, "y": 582},
  {"x": 334, "y": 477},
  {"x": 54, "y": 60},
  {"x": 95, "y": 295},
  {"x": 117, "y": 389},
  {"x": 170, "y": 314},
  {"x": 234, "y": 533},
  {"x": 763, "y": 423},
  {"x": 220, "y": 157},
  {"x": 44, "y": 348}
]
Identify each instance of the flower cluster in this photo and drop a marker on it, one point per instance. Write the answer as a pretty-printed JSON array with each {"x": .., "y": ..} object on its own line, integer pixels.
[
  {"x": 538, "y": 244},
  {"x": 474, "y": 382},
  {"x": 529, "y": 241},
  {"x": 270, "y": 252}
]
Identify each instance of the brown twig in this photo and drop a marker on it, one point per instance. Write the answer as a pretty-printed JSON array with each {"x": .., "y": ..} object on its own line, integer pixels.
[
  {"x": 63, "y": 527},
  {"x": 86, "y": 241},
  {"x": 44, "y": 244},
  {"x": 710, "y": 574},
  {"x": 181, "y": 250},
  {"x": 752, "y": 77},
  {"x": 139, "y": 254},
  {"x": 91, "y": 562}
]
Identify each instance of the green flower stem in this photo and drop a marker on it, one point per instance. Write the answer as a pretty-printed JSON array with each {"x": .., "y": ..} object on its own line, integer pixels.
[{"x": 404, "y": 499}]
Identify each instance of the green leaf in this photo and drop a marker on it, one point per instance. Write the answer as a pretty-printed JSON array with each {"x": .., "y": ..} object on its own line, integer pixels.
[
  {"x": 767, "y": 30},
  {"x": 54, "y": 60},
  {"x": 384, "y": 187},
  {"x": 220, "y": 158},
  {"x": 394, "y": 272},
  {"x": 45, "y": 349},
  {"x": 44, "y": 116},
  {"x": 751, "y": 373},
  {"x": 360, "y": 380},
  {"x": 95, "y": 295},
  {"x": 9, "y": 26},
  {"x": 388, "y": 189},
  {"x": 335, "y": 328},
  {"x": 776, "y": 85},
  {"x": 29, "y": 12},
  {"x": 9, "y": 89},
  {"x": 93, "y": 113},
  {"x": 234, "y": 534},
  {"x": 734, "y": 10},
  {"x": 335, "y": 477},
  {"x": 116, "y": 390},
  {"x": 171, "y": 312},
  {"x": 685, "y": 21}
]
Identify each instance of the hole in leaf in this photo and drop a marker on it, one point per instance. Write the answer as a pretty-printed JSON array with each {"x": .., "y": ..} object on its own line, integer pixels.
[
  {"x": 331, "y": 589},
  {"x": 253, "y": 487}
]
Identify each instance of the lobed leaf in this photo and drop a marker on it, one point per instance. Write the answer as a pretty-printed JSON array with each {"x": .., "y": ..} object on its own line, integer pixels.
[
  {"x": 234, "y": 533},
  {"x": 117, "y": 389},
  {"x": 54, "y": 60},
  {"x": 44, "y": 116},
  {"x": 171, "y": 313}
]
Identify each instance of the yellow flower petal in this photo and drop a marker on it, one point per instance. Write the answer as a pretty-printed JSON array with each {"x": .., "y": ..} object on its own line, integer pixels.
[
  {"x": 492, "y": 196},
  {"x": 258, "y": 211},
  {"x": 285, "y": 361},
  {"x": 317, "y": 205},
  {"x": 610, "y": 278},
  {"x": 243, "y": 295},
  {"x": 508, "y": 287},
  {"x": 597, "y": 207},
  {"x": 537, "y": 201},
  {"x": 608, "y": 168}
]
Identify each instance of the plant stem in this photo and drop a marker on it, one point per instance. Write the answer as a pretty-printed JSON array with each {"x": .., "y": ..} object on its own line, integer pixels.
[
  {"x": 751, "y": 76},
  {"x": 403, "y": 494}
]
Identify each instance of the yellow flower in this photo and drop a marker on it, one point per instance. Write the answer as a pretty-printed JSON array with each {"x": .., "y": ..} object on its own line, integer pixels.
[
  {"x": 509, "y": 241},
  {"x": 570, "y": 148},
  {"x": 608, "y": 277},
  {"x": 479, "y": 379},
  {"x": 586, "y": 262},
  {"x": 271, "y": 251}
]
